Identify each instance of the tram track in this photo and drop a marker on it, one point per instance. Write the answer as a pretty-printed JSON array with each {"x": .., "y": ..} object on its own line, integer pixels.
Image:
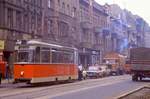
[{"x": 32, "y": 92}]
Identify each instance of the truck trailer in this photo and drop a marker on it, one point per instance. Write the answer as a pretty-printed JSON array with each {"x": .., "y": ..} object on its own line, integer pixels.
[{"x": 140, "y": 63}]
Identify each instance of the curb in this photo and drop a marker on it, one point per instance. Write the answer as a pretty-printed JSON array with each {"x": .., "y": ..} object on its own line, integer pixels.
[
  {"x": 131, "y": 92},
  {"x": 7, "y": 81}
]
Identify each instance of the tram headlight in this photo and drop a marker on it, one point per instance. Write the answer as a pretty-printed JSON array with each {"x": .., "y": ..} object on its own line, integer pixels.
[{"x": 22, "y": 73}]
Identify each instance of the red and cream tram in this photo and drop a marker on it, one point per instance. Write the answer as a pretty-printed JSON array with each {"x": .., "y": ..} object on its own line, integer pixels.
[{"x": 38, "y": 62}]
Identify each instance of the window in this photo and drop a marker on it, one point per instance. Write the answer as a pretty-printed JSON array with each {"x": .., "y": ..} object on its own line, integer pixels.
[
  {"x": 38, "y": 3},
  {"x": 49, "y": 3},
  {"x": 74, "y": 12},
  {"x": 10, "y": 18},
  {"x": 23, "y": 56},
  {"x": 68, "y": 9},
  {"x": 48, "y": 26},
  {"x": 33, "y": 22},
  {"x": 18, "y": 20},
  {"x": 37, "y": 54},
  {"x": 63, "y": 29},
  {"x": 63, "y": 7},
  {"x": 26, "y": 22},
  {"x": 59, "y": 2},
  {"x": 19, "y": 2},
  {"x": 45, "y": 55},
  {"x": 62, "y": 57},
  {"x": 32, "y": 2},
  {"x": 39, "y": 25}
]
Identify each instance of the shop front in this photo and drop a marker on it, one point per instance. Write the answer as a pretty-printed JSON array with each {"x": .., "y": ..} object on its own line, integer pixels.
[
  {"x": 6, "y": 58},
  {"x": 89, "y": 57},
  {"x": 2, "y": 62}
]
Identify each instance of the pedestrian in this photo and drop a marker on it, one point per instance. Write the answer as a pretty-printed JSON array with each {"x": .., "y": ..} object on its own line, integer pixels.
[
  {"x": 80, "y": 68},
  {"x": 0, "y": 76},
  {"x": 79, "y": 74},
  {"x": 7, "y": 71},
  {"x": 84, "y": 74}
]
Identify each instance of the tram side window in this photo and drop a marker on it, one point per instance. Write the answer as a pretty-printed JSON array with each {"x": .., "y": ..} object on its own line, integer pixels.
[
  {"x": 55, "y": 57},
  {"x": 68, "y": 58},
  {"x": 37, "y": 54},
  {"x": 31, "y": 56},
  {"x": 23, "y": 56},
  {"x": 65, "y": 58},
  {"x": 45, "y": 56},
  {"x": 61, "y": 57}
]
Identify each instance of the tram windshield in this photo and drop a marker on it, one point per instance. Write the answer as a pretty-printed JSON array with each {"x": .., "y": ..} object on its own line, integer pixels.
[{"x": 23, "y": 57}]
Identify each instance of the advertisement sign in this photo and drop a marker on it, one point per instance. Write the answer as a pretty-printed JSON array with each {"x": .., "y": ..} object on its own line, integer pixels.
[{"x": 1, "y": 45}]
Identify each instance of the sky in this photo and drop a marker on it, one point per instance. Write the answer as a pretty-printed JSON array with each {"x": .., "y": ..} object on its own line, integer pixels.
[{"x": 138, "y": 7}]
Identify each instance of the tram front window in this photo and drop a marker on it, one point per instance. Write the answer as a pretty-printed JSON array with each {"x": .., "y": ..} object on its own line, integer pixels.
[{"x": 23, "y": 56}]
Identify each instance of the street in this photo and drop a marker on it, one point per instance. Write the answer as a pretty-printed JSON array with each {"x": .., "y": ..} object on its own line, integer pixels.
[{"x": 103, "y": 88}]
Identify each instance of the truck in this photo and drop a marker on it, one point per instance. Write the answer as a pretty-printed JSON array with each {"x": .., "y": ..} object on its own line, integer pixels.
[
  {"x": 140, "y": 63},
  {"x": 115, "y": 62},
  {"x": 127, "y": 66}
]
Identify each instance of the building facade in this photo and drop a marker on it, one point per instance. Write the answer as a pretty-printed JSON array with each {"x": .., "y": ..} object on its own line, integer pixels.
[
  {"x": 93, "y": 40},
  {"x": 77, "y": 23},
  {"x": 127, "y": 30},
  {"x": 19, "y": 20}
]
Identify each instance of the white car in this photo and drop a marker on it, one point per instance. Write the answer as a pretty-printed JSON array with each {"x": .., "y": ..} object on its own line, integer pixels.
[
  {"x": 105, "y": 71},
  {"x": 94, "y": 71}
]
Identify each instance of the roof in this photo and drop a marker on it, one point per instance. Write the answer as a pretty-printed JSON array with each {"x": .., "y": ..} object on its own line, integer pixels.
[{"x": 112, "y": 55}]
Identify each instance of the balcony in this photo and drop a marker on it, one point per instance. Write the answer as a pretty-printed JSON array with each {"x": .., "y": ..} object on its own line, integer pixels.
[
  {"x": 87, "y": 2},
  {"x": 86, "y": 44},
  {"x": 98, "y": 30},
  {"x": 114, "y": 35},
  {"x": 97, "y": 46},
  {"x": 86, "y": 25},
  {"x": 106, "y": 32},
  {"x": 100, "y": 8}
]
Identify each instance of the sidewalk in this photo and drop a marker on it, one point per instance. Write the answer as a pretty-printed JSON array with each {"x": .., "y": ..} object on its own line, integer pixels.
[{"x": 6, "y": 81}]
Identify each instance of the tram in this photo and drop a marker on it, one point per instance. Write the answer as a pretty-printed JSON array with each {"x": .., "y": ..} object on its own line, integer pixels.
[{"x": 37, "y": 62}]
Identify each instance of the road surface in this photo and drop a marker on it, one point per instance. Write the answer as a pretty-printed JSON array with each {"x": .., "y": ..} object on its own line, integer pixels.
[{"x": 103, "y": 88}]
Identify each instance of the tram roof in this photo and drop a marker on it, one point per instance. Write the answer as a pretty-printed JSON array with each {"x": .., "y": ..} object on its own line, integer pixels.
[{"x": 34, "y": 42}]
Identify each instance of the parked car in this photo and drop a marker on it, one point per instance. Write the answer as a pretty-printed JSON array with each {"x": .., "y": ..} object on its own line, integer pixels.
[
  {"x": 94, "y": 71},
  {"x": 105, "y": 70}
]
